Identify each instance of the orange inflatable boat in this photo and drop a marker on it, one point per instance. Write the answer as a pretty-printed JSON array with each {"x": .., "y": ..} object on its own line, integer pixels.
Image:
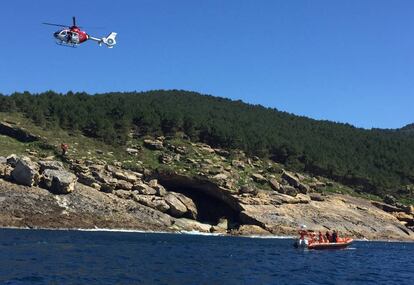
[
  {"x": 310, "y": 240},
  {"x": 341, "y": 243}
]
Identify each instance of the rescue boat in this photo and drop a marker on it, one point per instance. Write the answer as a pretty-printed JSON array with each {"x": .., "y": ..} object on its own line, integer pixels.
[
  {"x": 340, "y": 244},
  {"x": 309, "y": 240}
]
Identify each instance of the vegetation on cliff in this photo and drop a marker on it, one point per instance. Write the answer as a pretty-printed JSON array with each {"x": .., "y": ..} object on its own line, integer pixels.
[{"x": 374, "y": 161}]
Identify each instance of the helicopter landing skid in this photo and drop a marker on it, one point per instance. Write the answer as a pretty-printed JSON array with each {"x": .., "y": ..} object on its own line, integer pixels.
[{"x": 61, "y": 43}]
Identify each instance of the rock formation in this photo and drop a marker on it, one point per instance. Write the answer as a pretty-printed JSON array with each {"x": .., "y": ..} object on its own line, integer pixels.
[{"x": 212, "y": 190}]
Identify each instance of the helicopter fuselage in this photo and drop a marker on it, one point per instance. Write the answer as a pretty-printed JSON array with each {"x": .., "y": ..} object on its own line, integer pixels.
[{"x": 72, "y": 36}]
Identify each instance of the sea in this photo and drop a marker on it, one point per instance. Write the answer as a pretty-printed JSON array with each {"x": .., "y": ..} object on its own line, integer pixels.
[{"x": 109, "y": 257}]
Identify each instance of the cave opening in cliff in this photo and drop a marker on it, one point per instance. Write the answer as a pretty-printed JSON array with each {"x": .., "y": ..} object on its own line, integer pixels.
[{"x": 210, "y": 209}]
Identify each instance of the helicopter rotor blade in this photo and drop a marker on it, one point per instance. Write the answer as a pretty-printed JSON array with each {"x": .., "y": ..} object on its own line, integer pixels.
[
  {"x": 74, "y": 21},
  {"x": 58, "y": 25}
]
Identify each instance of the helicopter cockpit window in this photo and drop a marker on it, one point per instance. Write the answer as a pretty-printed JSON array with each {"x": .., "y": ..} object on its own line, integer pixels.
[{"x": 63, "y": 33}]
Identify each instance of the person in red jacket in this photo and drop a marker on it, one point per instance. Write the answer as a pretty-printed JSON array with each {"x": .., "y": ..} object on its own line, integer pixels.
[{"x": 64, "y": 147}]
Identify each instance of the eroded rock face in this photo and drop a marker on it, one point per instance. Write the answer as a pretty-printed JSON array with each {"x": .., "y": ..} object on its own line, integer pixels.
[
  {"x": 26, "y": 172},
  {"x": 282, "y": 214}
]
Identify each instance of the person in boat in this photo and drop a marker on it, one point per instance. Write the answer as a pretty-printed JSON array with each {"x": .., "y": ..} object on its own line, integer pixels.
[
  {"x": 328, "y": 236},
  {"x": 321, "y": 239},
  {"x": 303, "y": 232},
  {"x": 334, "y": 236}
]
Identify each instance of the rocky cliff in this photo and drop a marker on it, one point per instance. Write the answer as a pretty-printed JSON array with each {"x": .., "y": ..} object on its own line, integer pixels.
[{"x": 192, "y": 187}]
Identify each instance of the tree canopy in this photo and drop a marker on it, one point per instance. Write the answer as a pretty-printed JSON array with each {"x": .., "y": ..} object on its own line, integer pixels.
[{"x": 377, "y": 161}]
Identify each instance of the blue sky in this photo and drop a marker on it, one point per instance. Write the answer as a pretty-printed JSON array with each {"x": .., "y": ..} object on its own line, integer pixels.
[{"x": 348, "y": 61}]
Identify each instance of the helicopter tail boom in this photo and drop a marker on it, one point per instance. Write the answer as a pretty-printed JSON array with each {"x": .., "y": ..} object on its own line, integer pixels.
[{"x": 109, "y": 41}]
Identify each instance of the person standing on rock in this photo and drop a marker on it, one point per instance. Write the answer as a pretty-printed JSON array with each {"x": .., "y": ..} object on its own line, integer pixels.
[{"x": 64, "y": 147}]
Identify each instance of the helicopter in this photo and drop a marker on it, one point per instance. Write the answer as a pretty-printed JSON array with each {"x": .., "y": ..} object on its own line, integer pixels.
[{"x": 72, "y": 36}]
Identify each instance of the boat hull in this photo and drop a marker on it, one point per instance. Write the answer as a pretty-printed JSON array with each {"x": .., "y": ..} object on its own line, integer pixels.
[{"x": 331, "y": 245}]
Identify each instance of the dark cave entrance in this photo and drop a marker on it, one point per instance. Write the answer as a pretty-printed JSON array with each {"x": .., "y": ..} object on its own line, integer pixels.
[{"x": 210, "y": 209}]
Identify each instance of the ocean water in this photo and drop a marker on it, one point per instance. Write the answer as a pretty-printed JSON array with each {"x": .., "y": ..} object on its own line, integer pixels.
[{"x": 99, "y": 257}]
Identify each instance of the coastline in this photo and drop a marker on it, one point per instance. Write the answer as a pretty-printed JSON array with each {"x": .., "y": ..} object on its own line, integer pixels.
[{"x": 197, "y": 233}]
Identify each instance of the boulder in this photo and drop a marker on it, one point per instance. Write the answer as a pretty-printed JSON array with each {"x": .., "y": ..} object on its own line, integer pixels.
[
  {"x": 409, "y": 209},
  {"x": 259, "y": 178},
  {"x": 50, "y": 164},
  {"x": 386, "y": 207},
  {"x": 96, "y": 186},
  {"x": 291, "y": 179},
  {"x": 221, "y": 227},
  {"x": 152, "y": 202},
  {"x": 389, "y": 199},
  {"x": 153, "y": 183},
  {"x": 220, "y": 177},
  {"x": 79, "y": 168},
  {"x": 166, "y": 158},
  {"x": 222, "y": 152},
  {"x": 104, "y": 178},
  {"x": 122, "y": 184},
  {"x": 247, "y": 189},
  {"x": 144, "y": 189},
  {"x": 316, "y": 197},
  {"x": 288, "y": 190},
  {"x": 192, "y": 211},
  {"x": 274, "y": 184},
  {"x": 126, "y": 175},
  {"x": 107, "y": 188},
  {"x": 5, "y": 169},
  {"x": 26, "y": 172},
  {"x": 96, "y": 167},
  {"x": 12, "y": 160},
  {"x": 304, "y": 188},
  {"x": 177, "y": 149},
  {"x": 247, "y": 230},
  {"x": 401, "y": 216},
  {"x": 123, "y": 194},
  {"x": 177, "y": 208},
  {"x": 59, "y": 181},
  {"x": 86, "y": 179},
  {"x": 206, "y": 149},
  {"x": 132, "y": 151},
  {"x": 153, "y": 144},
  {"x": 238, "y": 163},
  {"x": 161, "y": 191},
  {"x": 190, "y": 225}
]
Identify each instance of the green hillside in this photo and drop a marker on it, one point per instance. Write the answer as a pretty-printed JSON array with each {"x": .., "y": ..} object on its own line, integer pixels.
[{"x": 374, "y": 161}]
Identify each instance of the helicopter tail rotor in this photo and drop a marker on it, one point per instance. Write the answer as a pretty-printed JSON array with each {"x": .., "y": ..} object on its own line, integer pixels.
[{"x": 109, "y": 41}]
